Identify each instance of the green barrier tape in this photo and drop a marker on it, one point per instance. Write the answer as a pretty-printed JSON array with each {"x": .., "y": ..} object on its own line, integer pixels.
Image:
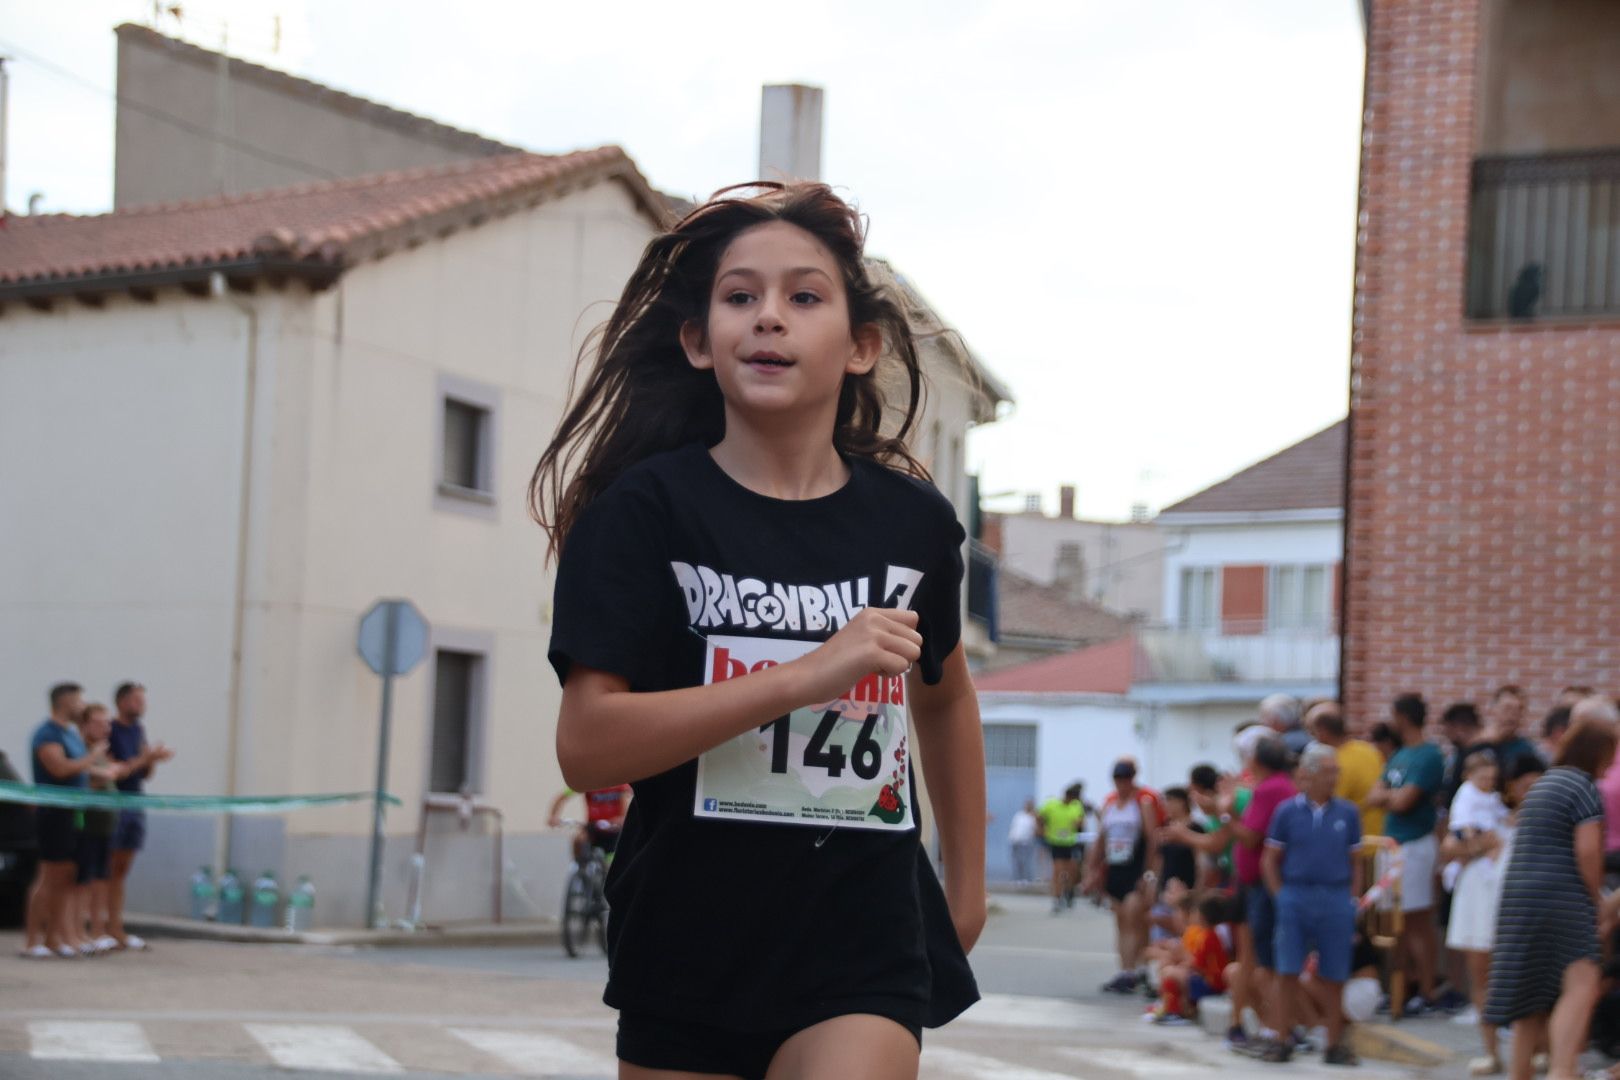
[{"x": 80, "y": 799}]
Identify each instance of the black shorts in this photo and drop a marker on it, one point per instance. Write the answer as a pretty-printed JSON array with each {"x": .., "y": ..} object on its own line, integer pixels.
[
  {"x": 93, "y": 856},
  {"x": 654, "y": 1042},
  {"x": 57, "y": 831},
  {"x": 131, "y": 833},
  {"x": 1122, "y": 879},
  {"x": 1061, "y": 852}
]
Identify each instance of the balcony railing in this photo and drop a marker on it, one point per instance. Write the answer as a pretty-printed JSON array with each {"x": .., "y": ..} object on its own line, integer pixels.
[
  {"x": 1544, "y": 236},
  {"x": 1237, "y": 652}
]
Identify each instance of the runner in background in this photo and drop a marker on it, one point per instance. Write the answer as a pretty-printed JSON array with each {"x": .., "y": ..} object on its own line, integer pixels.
[
  {"x": 1061, "y": 821},
  {"x": 1123, "y": 864},
  {"x": 604, "y": 817},
  {"x": 759, "y": 591}
]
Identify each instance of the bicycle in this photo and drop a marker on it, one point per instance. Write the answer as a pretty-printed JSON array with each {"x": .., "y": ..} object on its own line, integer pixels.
[{"x": 584, "y": 904}]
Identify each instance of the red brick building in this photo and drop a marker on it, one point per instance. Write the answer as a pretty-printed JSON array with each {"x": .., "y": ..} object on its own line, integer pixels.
[{"x": 1484, "y": 462}]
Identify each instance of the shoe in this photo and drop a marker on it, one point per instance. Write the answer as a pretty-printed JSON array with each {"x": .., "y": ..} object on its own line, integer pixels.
[
  {"x": 1237, "y": 1040},
  {"x": 1383, "y": 1005},
  {"x": 1340, "y": 1055},
  {"x": 35, "y": 952},
  {"x": 1123, "y": 983},
  {"x": 134, "y": 942},
  {"x": 88, "y": 949},
  {"x": 1467, "y": 1017},
  {"x": 67, "y": 952},
  {"x": 1450, "y": 1002},
  {"x": 1540, "y": 1063},
  {"x": 1276, "y": 1052},
  {"x": 105, "y": 943},
  {"x": 1417, "y": 1005},
  {"x": 1304, "y": 1043},
  {"x": 1485, "y": 1066},
  {"x": 1171, "y": 1020}
]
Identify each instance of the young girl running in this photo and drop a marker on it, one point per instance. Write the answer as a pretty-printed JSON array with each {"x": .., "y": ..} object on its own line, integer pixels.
[{"x": 756, "y": 586}]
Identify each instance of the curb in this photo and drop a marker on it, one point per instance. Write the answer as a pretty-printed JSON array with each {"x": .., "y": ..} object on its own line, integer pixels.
[{"x": 538, "y": 932}]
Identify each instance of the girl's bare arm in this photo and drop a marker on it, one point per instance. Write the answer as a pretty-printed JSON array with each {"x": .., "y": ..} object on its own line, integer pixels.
[
  {"x": 950, "y": 743},
  {"x": 608, "y": 734}
]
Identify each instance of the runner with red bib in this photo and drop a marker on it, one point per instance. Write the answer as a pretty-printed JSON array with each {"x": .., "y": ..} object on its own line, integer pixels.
[
  {"x": 604, "y": 817},
  {"x": 1124, "y": 863}
]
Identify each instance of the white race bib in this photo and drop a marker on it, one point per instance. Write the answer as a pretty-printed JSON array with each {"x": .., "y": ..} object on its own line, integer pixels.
[
  {"x": 844, "y": 763},
  {"x": 1120, "y": 850}
]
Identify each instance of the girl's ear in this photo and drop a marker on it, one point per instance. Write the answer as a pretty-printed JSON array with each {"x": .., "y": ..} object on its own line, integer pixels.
[
  {"x": 868, "y": 347},
  {"x": 695, "y": 343}
]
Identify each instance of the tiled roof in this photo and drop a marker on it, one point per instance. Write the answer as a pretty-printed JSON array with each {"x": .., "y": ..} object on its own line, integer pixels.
[
  {"x": 1028, "y": 609},
  {"x": 1306, "y": 476},
  {"x": 420, "y": 127},
  {"x": 1100, "y": 669},
  {"x": 313, "y": 229}
]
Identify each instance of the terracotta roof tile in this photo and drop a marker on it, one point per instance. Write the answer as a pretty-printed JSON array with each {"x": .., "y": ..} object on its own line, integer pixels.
[
  {"x": 1028, "y": 609},
  {"x": 330, "y": 224},
  {"x": 1099, "y": 669},
  {"x": 1306, "y": 476}
]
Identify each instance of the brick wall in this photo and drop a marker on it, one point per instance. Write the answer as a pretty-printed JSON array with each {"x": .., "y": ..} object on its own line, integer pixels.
[{"x": 1484, "y": 495}]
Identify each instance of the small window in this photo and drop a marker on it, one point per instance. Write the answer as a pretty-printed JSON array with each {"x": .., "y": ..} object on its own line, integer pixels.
[
  {"x": 1069, "y": 552},
  {"x": 468, "y": 421},
  {"x": 1199, "y": 609},
  {"x": 464, "y": 436},
  {"x": 1298, "y": 598},
  {"x": 457, "y": 693}
]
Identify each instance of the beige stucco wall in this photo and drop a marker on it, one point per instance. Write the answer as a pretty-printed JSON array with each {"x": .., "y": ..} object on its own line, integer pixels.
[
  {"x": 1550, "y": 79},
  {"x": 1122, "y": 562},
  {"x": 294, "y": 138}
]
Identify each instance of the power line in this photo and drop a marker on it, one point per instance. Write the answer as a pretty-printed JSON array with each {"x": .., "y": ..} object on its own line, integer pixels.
[{"x": 170, "y": 118}]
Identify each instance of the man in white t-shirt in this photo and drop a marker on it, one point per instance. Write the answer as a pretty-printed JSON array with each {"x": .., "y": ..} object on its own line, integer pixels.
[{"x": 1021, "y": 838}]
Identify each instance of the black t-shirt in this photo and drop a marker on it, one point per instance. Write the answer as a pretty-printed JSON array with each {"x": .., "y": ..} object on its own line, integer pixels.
[
  {"x": 677, "y": 575},
  {"x": 1181, "y": 861}
]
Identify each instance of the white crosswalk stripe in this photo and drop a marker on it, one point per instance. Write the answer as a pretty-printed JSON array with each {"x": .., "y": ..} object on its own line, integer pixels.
[
  {"x": 532, "y": 1053},
  {"x": 89, "y": 1040},
  {"x": 321, "y": 1046}
]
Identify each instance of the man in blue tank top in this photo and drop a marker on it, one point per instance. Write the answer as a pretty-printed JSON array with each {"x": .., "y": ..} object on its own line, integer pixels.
[{"x": 127, "y": 743}]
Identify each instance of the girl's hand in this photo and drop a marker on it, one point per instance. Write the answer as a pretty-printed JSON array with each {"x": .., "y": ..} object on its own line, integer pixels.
[
  {"x": 880, "y": 640},
  {"x": 968, "y": 915}
]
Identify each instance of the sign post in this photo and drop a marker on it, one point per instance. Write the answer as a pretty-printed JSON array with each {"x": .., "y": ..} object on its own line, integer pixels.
[{"x": 393, "y": 639}]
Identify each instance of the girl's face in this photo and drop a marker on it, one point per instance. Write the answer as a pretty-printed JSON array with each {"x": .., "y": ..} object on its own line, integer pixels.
[{"x": 779, "y": 337}]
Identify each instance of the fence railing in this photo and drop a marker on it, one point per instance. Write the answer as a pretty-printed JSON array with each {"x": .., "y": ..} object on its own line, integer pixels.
[
  {"x": 1544, "y": 236},
  {"x": 1235, "y": 652}
]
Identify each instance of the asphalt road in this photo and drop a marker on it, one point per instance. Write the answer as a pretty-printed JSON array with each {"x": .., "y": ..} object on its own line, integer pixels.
[{"x": 192, "y": 1010}]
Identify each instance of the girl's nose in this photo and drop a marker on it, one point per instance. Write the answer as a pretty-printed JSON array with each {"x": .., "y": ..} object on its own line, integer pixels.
[{"x": 768, "y": 320}]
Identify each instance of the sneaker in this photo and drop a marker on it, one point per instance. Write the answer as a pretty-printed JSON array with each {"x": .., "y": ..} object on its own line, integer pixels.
[
  {"x": 1276, "y": 1052},
  {"x": 1304, "y": 1043},
  {"x": 35, "y": 952},
  {"x": 1237, "y": 1040},
  {"x": 67, "y": 952},
  {"x": 1417, "y": 1005},
  {"x": 134, "y": 942},
  {"x": 1488, "y": 1065},
  {"x": 1467, "y": 1017},
  {"x": 1123, "y": 983},
  {"x": 105, "y": 943},
  {"x": 1383, "y": 1005},
  {"x": 1450, "y": 1001},
  {"x": 1340, "y": 1055},
  {"x": 1171, "y": 1020}
]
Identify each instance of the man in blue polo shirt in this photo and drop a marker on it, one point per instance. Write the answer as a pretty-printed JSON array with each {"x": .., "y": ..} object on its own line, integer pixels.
[{"x": 1310, "y": 865}]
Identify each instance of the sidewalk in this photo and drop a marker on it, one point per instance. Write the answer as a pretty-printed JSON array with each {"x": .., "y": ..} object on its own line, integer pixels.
[{"x": 524, "y": 932}]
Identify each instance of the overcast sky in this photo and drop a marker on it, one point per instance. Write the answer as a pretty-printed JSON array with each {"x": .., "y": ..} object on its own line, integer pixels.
[{"x": 1140, "y": 214}]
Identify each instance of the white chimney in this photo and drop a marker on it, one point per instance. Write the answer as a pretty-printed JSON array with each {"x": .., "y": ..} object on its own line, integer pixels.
[{"x": 790, "y": 133}]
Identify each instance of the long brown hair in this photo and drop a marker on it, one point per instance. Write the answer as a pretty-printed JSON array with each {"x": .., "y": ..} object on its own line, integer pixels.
[{"x": 641, "y": 397}]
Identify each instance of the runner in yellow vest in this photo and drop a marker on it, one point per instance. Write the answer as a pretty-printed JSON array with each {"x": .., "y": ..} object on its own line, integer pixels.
[{"x": 1061, "y": 820}]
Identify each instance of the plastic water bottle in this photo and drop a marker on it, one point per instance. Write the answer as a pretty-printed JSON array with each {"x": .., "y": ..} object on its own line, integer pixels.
[
  {"x": 266, "y": 900},
  {"x": 202, "y": 893},
  {"x": 300, "y": 906},
  {"x": 230, "y": 898}
]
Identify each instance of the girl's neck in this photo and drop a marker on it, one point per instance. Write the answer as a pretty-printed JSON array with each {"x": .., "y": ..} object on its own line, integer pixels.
[{"x": 796, "y": 463}]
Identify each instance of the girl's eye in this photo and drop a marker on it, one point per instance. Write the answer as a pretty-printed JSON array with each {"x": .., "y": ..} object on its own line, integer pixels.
[
  {"x": 738, "y": 297},
  {"x": 802, "y": 297}
]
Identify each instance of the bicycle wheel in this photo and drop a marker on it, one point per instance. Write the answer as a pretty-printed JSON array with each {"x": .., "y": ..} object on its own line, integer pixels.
[{"x": 577, "y": 915}]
